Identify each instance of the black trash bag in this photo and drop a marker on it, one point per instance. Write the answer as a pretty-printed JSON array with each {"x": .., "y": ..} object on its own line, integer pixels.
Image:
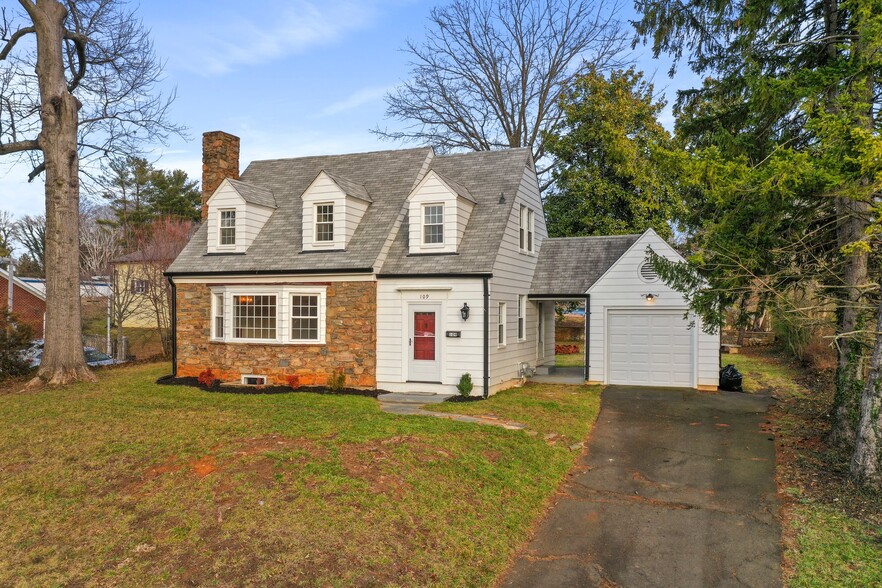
[{"x": 730, "y": 379}]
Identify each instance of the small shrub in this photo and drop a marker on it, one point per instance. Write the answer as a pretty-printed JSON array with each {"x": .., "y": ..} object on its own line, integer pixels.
[
  {"x": 337, "y": 381},
  {"x": 465, "y": 385},
  {"x": 206, "y": 378},
  {"x": 15, "y": 338},
  {"x": 293, "y": 381}
]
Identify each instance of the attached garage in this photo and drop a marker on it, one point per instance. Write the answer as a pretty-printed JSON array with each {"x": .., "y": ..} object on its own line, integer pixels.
[
  {"x": 650, "y": 348},
  {"x": 640, "y": 331}
]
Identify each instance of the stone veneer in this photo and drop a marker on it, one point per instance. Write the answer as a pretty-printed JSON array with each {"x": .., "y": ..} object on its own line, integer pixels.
[{"x": 351, "y": 341}]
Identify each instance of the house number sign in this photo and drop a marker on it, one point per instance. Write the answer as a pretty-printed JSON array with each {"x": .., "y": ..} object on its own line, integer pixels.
[{"x": 453, "y": 334}]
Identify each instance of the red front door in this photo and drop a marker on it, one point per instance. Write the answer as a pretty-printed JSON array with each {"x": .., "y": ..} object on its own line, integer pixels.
[
  {"x": 424, "y": 356},
  {"x": 424, "y": 336}
]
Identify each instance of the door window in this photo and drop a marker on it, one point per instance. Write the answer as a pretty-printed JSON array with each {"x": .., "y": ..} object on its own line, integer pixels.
[{"x": 424, "y": 336}]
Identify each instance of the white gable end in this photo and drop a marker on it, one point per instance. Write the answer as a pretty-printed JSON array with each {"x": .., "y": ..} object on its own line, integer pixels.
[
  {"x": 434, "y": 202},
  {"x": 326, "y": 206},
  {"x": 246, "y": 219}
]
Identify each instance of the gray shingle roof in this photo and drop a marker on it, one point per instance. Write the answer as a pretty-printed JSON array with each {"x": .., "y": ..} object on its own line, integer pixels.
[
  {"x": 254, "y": 194},
  {"x": 350, "y": 188},
  {"x": 571, "y": 265},
  {"x": 388, "y": 177},
  {"x": 457, "y": 187}
]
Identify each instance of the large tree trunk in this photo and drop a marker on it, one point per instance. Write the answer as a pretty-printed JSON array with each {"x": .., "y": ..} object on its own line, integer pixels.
[
  {"x": 866, "y": 464},
  {"x": 63, "y": 359}
]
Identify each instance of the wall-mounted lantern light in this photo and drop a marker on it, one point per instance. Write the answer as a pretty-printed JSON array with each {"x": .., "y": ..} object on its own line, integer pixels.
[
  {"x": 464, "y": 311},
  {"x": 650, "y": 297}
]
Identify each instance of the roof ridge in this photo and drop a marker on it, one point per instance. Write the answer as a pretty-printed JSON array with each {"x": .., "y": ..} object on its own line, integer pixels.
[{"x": 306, "y": 157}]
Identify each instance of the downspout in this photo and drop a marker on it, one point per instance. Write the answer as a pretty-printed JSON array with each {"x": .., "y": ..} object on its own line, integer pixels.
[
  {"x": 587, "y": 332},
  {"x": 174, "y": 326},
  {"x": 486, "y": 336}
]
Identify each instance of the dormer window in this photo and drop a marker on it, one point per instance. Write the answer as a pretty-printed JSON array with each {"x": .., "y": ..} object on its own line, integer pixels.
[
  {"x": 324, "y": 223},
  {"x": 227, "y": 227},
  {"x": 433, "y": 224}
]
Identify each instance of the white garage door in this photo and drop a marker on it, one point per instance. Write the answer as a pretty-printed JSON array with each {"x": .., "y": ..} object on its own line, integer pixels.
[{"x": 649, "y": 348}]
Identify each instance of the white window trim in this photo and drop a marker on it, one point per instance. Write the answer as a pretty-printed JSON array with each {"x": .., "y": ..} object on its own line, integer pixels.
[
  {"x": 423, "y": 243},
  {"x": 522, "y": 228},
  {"x": 283, "y": 296},
  {"x": 315, "y": 223},
  {"x": 531, "y": 233},
  {"x": 220, "y": 226},
  {"x": 215, "y": 298},
  {"x": 501, "y": 322},
  {"x": 522, "y": 318}
]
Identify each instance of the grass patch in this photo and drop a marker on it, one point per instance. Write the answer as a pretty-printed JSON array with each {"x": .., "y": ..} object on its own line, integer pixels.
[
  {"x": 571, "y": 359},
  {"x": 832, "y": 530},
  {"x": 125, "y": 482},
  {"x": 567, "y": 411}
]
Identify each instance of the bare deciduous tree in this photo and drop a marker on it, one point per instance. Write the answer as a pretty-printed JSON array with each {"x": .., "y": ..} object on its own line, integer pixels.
[
  {"x": 490, "y": 73},
  {"x": 84, "y": 89},
  {"x": 30, "y": 232}
]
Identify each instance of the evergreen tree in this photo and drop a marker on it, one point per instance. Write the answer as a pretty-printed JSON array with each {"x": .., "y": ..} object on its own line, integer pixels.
[{"x": 616, "y": 166}]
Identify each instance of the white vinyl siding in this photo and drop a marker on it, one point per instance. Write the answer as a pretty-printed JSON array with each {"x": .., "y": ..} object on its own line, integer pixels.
[
  {"x": 249, "y": 220},
  {"x": 512, "y": 277},
  {"x": 347, "y": 214},
  {"x": 459, "y": 355},
  {"x": 269, "y": 314},
  {"x": 432, "y": 191},
  {"x": 623, "y": 289}
]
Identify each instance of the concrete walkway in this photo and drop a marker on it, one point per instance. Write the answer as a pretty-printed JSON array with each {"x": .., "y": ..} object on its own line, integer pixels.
[
  {"x": 412, "y": 403},
  {"x": 677, "y": 489}
]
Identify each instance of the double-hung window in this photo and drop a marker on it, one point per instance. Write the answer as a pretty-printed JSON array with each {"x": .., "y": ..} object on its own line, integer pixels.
[
  {"x": 433, "y": 224},
  {"x": 324, "y": 223},
  {"x": 500, "y": 324},
  {"x": 279, "y": 314},
  {"x": 140, "y": 286},
  {"x": 227, "y": 227},
  {"x": 522, "y": 317},
  {"x": 526, "y": 220},
  {"x": 305, "y": 317},
  {"x": 219, "y": 316},
  {"x": 254, "y": 316}
]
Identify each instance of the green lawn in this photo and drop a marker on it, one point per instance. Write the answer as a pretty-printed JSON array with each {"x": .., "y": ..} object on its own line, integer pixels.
[
  {"x": 571, "y": 360},
  {"x": 826, "y": 545},
  {"x": 128, "y": 483}
]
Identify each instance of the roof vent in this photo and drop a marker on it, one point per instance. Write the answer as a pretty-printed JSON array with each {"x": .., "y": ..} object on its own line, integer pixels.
[
  {"x": 502, "y": 198},
  {"x": 647, "y": 272}
]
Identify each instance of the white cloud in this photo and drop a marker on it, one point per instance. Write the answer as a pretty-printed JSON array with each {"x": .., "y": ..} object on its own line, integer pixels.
[
  {"x": 359, "y": 98},
  {"x": 220, "y": 44}
]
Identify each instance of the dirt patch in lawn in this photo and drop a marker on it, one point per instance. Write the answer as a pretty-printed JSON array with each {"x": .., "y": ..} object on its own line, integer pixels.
[{"x": 382, "y": 464}]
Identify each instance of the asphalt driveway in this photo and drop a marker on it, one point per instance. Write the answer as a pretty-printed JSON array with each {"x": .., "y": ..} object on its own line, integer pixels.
[{"x": 677, "y": 489}]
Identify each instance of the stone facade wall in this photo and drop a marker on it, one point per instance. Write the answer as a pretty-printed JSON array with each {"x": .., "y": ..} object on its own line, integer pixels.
[
  {"x": 26, "y": 307},
  {"x": 220, "y": 160},
  {"x": 351, "y": 341}
]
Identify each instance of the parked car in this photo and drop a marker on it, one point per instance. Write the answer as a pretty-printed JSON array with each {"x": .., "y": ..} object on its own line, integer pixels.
[{"x": 94, "y": 358}]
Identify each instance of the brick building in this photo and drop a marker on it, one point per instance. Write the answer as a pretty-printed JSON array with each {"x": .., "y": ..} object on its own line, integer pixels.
[{"x": 28, "y": 302}]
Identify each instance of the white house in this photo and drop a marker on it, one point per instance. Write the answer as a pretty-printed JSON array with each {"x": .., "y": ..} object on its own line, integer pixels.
[{"x": 405, "y": 270}]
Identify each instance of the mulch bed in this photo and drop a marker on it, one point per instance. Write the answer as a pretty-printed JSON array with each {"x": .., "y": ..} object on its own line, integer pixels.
[
  {"x": 228, "y": 389},
  {"x": 464, "y": 399}
]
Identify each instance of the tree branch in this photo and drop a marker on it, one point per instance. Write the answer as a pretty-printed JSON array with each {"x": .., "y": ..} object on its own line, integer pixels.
[
  {"x": 16, "y": 36},
  {"x": 19, "y": 146}
]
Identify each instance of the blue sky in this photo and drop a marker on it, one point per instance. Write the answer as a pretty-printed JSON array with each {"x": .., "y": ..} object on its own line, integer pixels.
[{"x": 291, "y": 78}]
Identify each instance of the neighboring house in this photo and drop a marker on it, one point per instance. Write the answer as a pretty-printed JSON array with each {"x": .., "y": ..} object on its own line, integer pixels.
[
  {"x": 133, "y": 277},
  {"x": 28, "y": 301},
  {"x": 404, "y": 269}
]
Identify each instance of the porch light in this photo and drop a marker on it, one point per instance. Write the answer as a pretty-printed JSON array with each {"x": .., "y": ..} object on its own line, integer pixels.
[
  {"x": 650, "y": 297},
  {"x": 464, "y": 311}
]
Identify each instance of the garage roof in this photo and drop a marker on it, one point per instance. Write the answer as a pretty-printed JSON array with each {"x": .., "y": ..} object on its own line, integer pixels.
[{"x": 570, "y": 265}]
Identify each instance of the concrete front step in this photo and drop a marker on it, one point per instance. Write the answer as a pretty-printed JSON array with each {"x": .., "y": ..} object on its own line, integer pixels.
[{"x": 418, "y": 398}]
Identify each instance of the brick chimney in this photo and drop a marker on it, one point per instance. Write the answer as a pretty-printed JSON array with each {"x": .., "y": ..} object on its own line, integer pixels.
[{"x": 220, "y": 160}]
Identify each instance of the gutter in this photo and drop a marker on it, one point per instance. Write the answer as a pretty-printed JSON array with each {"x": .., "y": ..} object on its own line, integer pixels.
[
  {"x": 174, "y": 326},
  {"x": 360, "y": 270},
  {"x": 486, "y": 336}
]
